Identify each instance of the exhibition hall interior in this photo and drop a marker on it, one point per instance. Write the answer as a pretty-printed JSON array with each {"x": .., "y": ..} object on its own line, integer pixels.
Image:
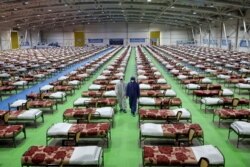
[{"x": 124, "y": 83}]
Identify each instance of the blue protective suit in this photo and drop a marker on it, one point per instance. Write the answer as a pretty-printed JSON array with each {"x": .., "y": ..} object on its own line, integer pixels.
[{"x": 133, "y": 92}]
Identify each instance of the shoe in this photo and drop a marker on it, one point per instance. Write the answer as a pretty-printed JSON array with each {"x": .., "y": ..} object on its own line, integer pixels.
[
  {"x": 133, "y": 114},
  {"x": 121, "y": 110},
  {"x": 124, "y": 111}
]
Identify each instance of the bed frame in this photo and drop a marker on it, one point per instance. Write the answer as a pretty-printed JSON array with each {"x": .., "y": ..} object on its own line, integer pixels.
[
  {"x": 75, "y": 137},
  {"x": 13, "y": 137},
  {"x": 239, "y": 136},
  {"x": 100, "y": 163},
  {"x": 152, "y": 165}
]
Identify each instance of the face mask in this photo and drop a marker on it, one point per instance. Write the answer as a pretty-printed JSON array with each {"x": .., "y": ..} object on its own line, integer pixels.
[{"x": 132, "y": 80}]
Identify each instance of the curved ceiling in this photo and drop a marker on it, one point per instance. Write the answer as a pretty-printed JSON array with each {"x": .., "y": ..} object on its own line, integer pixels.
[{"x": 44, "y": 14}]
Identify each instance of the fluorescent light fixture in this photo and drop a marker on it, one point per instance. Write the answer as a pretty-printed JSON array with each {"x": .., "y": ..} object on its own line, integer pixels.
[
  {"x": 194, "y": 12},
  {"x": 49, "y": 10},
  {"x": 149, "y": 0},
  {"x": 172, "y": 7}
]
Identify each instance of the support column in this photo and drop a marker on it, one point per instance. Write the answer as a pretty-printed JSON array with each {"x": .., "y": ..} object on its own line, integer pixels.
[
  {"x": 221, "y": 31},
  {"x": 200, "y": 35},
  {"x": 31, "y": 41},
  {"x": 193, "y": 34},
  {"x": 127, "y": 33},
  {"x": 237, "y": 35},
  {"x": 10, "y": 40},
  {"x": 209, "y": 36},
  {"x": 225, "y": 33},
  {"x": 245, "y": 33},
  {"x": 1, "y": 48}
]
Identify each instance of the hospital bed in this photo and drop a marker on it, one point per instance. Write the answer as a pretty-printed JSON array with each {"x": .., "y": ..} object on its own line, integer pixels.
[
  {"x": 181, "y": 156},
  {"x": 242, "y": 130},
  {"x": 91, "y": 156},
  {"x": 87, "y": 114},
  {"x": 172, "y": 131}
]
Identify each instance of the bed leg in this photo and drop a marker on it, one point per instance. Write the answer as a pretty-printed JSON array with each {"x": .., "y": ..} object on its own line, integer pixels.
[
  {"x": 229, "y": 132},
  {"x": 35, "y": 122},
  {"x": 14, "y": 141},
  {"x": 238, "y": 140},
  {"x": 42, "y": 117},
  {"x": 107, "y": 140},
  {"x": 213, "y": 116},
  {"x": 24, "y": 133}
]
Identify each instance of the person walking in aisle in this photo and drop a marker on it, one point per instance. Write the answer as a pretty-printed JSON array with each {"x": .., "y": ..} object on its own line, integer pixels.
[
  {"x": 120, "y": 90},
  {"x": 133, "y": 92}
]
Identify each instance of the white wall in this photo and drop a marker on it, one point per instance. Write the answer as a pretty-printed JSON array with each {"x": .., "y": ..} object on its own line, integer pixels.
[
  {"x": 169, "y": 35},
  {"x": 5, "y": 39},
  {"x": 64, "y": 38},
  {"x": 32, "y": 37}
]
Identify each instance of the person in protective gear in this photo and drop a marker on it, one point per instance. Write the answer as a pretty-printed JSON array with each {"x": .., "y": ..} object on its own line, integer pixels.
[
  {"x": 133, "y": 92},
  {"x": 120, "y": 90}
]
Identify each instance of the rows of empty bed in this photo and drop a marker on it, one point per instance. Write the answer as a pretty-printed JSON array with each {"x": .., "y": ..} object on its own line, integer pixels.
[
  {"x": 90, "y": 119},
  {"x": 196, "y": 79},
  {"x": 77, "y": 130},
  {"x": 23, "y": 68},
  {"x": 30, "y": 110},
  {"x": 22, "y": 112},
  {"x": 162, "y": 120}
]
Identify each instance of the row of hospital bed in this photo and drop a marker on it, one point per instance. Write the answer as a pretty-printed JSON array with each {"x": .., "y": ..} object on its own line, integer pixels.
[
  {"x": 69, "y": 154},
  {"x": 25, "y": 111},
  {"x": 162, "y": 119},
  {"x": 229, "y": 110},
  {"x": 35, "y": 66}
]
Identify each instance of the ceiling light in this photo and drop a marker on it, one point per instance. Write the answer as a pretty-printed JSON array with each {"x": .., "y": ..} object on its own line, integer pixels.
[
  {"x": 120, "y": 3},
  {"x": 38, "y": 15},
  {"x": 15, "y": 9},
  {"x": 211, "y": 5},
  {"x": 65, "y": 4},
  {"x": 88, "y": 23},
  {"x": 194, "y": 12},
  {"x": 172, "y": 7},
  {"x": 149, "y": 0},
  {"x": 3, "y": 16},
  {"x": 49, "y": 10},
  {"x": 79, "y": 10}
]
